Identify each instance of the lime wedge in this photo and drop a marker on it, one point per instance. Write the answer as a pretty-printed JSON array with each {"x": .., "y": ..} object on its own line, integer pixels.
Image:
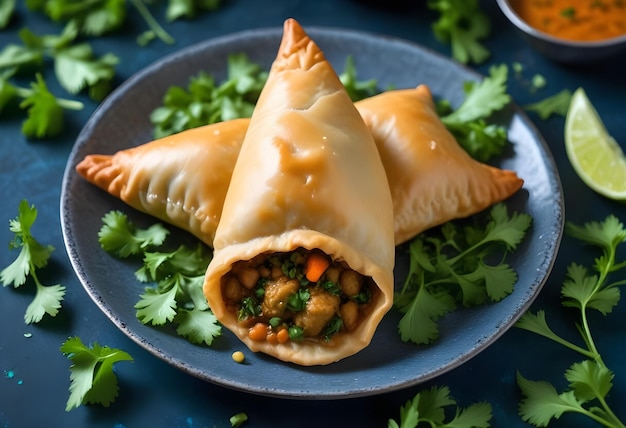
[{"x": 595, "y": 156}]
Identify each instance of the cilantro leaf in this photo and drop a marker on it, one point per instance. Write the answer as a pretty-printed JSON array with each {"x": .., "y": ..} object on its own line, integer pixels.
[
  {"x": 77, "y": 68},
  {"x": 177, "y": 277},
  {"x": 450, "y": 264},
  {"x": 7, "y": 8},
  {"x": 156, "y": 308},
  {"x": 555, "y": 104},
  {"x": 8, "y": 92},
  {"x": 238, "y": 419},
  {"x": 357, "y": 89},
  {"x": 47, "y": 301},
  {"x": 462, "y": 25},
  {"x": 542, "y": 402},
  {"x": 428, "y": 406},
  {"x": 32, "y": 256},
  {"x": 204, "y": 101},
  {"x": 198, "y": 326},
  {"x": 419, "y": 322},
  {"x": 18, "y": 57},
  {"x": 468, "y": 122},
  {"x": 590, "y": 381},
  {"x": 119, "y": 236},
  {"x": 94, "y": 18},
  {"x": 92, "y": 379},
  {"x": 580, "y": 291},
  {"x": 177, "y": 9},
  {"x": 482, "y": 98},
  {"x": 45, "y": 115}
]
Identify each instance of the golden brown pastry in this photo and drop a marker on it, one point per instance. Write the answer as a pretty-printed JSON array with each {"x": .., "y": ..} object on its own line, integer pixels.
[
  {"x": 432, "y": 178},
  {"x": 308, "y": 190},
  {"x": 181, "y": 179}
]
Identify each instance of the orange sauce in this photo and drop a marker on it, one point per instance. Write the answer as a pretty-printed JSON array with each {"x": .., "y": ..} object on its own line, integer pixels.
[{"x": 580, "y": 20}]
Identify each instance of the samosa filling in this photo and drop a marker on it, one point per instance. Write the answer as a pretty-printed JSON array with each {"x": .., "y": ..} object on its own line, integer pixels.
[{"x": 296, "y": 295}]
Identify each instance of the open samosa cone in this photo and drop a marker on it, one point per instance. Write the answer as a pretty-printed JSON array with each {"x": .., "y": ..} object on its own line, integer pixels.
[{"x": 308, "y": 179}]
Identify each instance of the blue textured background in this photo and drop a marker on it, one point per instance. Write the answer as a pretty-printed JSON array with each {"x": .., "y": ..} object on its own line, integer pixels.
[{"x": 154, "y": 394}]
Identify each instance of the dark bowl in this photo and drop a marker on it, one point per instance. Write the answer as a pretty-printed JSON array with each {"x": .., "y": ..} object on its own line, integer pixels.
[{"x": 561, "y": 50}]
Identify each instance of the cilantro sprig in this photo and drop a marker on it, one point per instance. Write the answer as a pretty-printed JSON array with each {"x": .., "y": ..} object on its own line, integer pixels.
[
  {"x": 32, "y": 256},
  {"x": 92, "y": 379},
  {"x": 556, "y": 104},
  {"x": 204, "y": 101},
  {"x": 454, "y": 266},
  {"x": 428, "y": 409},
  {"x": 589, "y": 380},
  {"x": 463, "y": 26},
  {"x": 468, "y": 123},
  {"x": 75, "y": 65},
  {"x": 45, "y": 111},
  {"x": 177, "y": 276},
  {"x": 7, "y": 9},
  {"x": 99, "y": 17}
]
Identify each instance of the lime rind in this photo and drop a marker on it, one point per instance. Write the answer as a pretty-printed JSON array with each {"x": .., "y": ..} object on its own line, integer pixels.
[{"x": 594, "y": 154}]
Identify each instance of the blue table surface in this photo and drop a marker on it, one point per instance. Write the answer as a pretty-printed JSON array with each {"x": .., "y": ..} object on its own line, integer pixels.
[{"x": 35, "y": 375}]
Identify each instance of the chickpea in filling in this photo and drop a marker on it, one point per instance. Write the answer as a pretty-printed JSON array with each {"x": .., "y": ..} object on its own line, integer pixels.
[{"x": 296, "y": 295}]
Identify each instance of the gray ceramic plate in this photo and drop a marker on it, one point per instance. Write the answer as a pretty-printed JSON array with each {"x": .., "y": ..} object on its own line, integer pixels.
[{"x": 387, "y": 364}]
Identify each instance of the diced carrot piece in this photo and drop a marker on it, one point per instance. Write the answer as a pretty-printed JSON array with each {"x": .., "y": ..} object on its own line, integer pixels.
[{"x": 315, "y": 266}]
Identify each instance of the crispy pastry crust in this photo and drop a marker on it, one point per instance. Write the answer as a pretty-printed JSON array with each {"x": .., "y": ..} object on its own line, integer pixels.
[
  {"x": 181, "y": 179},
  {"x": 308, "y": 175},
  {"x": 432, "y": 178}
]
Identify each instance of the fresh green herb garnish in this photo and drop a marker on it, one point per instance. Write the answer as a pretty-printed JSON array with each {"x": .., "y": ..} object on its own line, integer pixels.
[
  {"x": 92, "y": 379},
  {"x": 333, "y": 327},
  {"x": 462, "y": 25},
  {"x": 590, "y": 380},
  {"x": 204, "y": 101},
  {"x": 357, "y": 89},
  {"x": 555, "y": 104},
  {"x": 178, "y": 276},
  {"x": 568, "y": 12},
  {"x": 538, "y": 81},
  {"x": 467, "y": 123},
  {"x": 453, "y": 266},
  {"x": 44, "y": 110},
  {"x": 7, "y": 8},
  {"x": 75, "y": 65},
  {"x": 428, "y": 409},
  {"x": 119, "y": 235},
  {"x": 177, "y": 9},
  {"x": 249, "y": 308},
  {"x": 297, "y": 301},
  {"x": 99, "y": 17},
  {"x": 238, "y": 419},
  {"x": 331, "y": 287},
  {"x": 32, "y": 256}
]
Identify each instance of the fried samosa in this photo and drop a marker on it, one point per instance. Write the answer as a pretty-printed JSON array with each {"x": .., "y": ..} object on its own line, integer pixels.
[
  {"x": 304, "y": 251},
  {"x": 432, "y": 178},
  {"x": 181, "y": 179}
]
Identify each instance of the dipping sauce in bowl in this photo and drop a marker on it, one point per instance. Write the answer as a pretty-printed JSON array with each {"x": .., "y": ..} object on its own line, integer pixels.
[
  {"x": 571, "y": 31},
  {"x": 579, "y": 20}
]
